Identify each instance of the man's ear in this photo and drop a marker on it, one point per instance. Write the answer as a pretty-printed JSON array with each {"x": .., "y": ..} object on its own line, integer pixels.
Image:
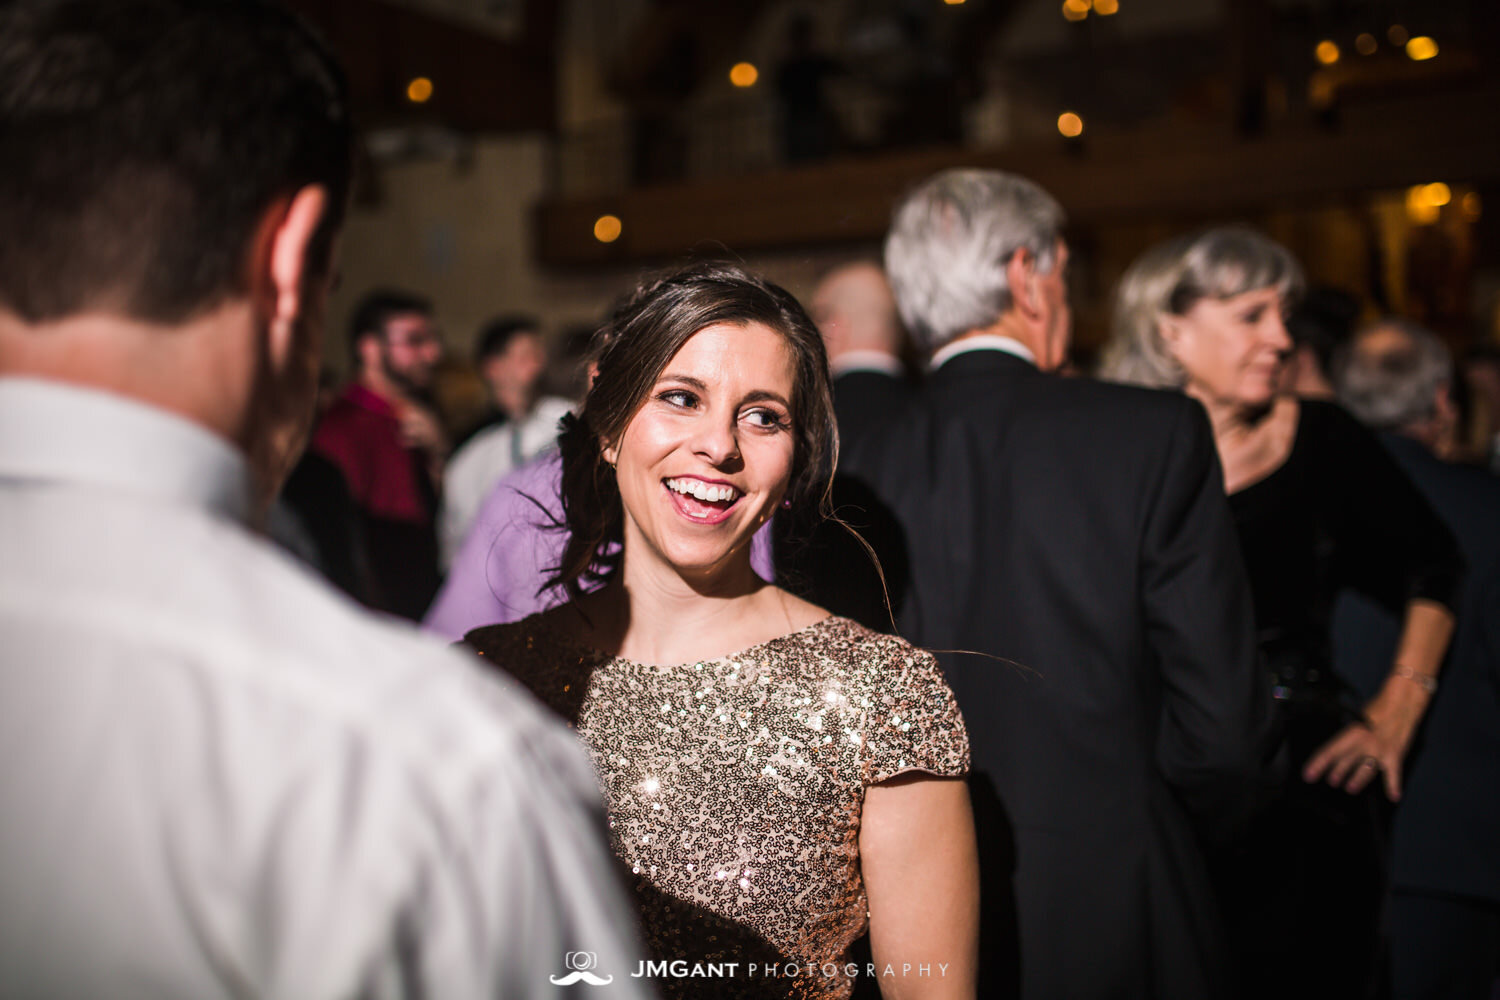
[
  {"x": 1020, "y": 278},
  {"x": 285, "y": 264}
]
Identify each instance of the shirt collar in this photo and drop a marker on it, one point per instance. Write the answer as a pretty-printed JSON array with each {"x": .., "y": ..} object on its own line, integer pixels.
[
  {"x": 865, "y": 361},
  {"x": 53, "y": 431},
  {"x": 981, "y": 342}
]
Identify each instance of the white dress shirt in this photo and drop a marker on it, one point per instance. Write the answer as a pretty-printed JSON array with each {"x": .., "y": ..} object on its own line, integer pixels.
[
  {"x": 219, "y": 778},
  {"x": 980, "y": 342},
  {"x": 487, "y": 458}
]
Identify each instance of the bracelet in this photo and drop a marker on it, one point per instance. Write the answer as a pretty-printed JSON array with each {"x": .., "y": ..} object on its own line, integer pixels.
[{"x": 1426, "y": 682}]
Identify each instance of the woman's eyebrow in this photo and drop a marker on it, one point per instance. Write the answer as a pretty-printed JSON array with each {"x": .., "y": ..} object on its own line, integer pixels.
[
  {"x": 758, "y": 395},
  {"x": 696, "y": 383}
]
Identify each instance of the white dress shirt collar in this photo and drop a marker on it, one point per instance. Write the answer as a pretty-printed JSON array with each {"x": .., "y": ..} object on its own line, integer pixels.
[
  {"x": 865, "y": 361},
  {"x": 981, "y": 342},
  {"x": 53, "y": 431}
]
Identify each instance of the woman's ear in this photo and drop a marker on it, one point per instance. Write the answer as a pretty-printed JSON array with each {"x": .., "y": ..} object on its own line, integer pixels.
[
  {"x": 1169, "y": 328},
  {"x": 610, "y": 454}
]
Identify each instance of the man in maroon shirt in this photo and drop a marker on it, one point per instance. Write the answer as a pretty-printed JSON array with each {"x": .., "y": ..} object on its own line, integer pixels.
[{"x": 384, "y": 436}]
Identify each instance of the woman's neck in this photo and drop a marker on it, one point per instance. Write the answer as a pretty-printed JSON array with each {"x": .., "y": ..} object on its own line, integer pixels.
[{"x": 1252, "y": 442}]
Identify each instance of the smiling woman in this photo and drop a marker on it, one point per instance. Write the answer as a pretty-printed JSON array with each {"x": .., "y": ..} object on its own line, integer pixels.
[{"x": 778, "y": 780}]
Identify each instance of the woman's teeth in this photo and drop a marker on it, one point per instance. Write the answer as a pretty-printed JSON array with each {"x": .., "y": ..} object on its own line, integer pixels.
[{"x": 703, "y": 491}]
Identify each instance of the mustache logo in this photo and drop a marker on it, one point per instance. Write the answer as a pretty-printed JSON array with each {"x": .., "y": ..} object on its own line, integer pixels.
[{"x": 581, "y": 962}]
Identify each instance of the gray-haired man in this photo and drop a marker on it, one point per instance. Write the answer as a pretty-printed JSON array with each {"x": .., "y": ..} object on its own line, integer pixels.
[{"x": 1074, "y": 537}]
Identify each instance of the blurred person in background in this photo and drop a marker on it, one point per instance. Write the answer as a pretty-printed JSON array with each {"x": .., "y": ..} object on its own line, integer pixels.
[
  {"x": 511, "y": 358},
  {"x": 1481, "y": 376},
  {"x": 1096, "y": 629},
  {"x": 1318, "y": 506},
  {"x": 1397, "y": 378},
  {"x": 867, "y": 347},
  {"x": 1320, "y": 324},
  {"x": 221, "y": 778},
  {"x": 384, "y": 434}
]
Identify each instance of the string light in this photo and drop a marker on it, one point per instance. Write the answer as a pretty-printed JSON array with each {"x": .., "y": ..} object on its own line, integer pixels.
[
  {"x": 1327, "y": 52},
  {"x": 1104, "y": 8},
  {"x": 744, "y": 74},
  {"x": 1397, "y": 35},
  {"x": 1076, "y": 10},
  {"x": 1421, "y": 48},
  {"x": 607, "y": 228},
  {"x": 1070, "y": 125},
  {"x": 419, "y": 91},
  {"x": 1366, "y": 44}
]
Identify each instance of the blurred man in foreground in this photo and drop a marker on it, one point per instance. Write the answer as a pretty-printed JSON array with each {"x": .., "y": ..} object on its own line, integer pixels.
[{"x": 220, "y": 778}]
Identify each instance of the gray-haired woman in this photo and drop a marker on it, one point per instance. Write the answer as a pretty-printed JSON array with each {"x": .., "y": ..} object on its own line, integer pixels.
[{"x": 1318, "y": 506}]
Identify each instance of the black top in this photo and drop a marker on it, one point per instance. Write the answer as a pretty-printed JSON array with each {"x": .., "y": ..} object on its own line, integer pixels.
[{"x": 1338, "y": 512}]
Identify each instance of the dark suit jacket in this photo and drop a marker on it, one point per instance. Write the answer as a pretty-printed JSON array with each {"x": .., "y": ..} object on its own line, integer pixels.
[
  {"x": 821, "y": 559},
  {"x": 1078, "y": 534},
  {"x": 1447, "y": 828}
]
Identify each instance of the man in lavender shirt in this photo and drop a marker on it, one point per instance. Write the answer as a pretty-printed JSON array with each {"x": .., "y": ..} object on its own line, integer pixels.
[{"x": 500, "y": 571}]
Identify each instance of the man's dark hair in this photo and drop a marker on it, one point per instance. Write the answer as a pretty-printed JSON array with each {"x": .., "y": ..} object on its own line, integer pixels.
[
  {"x": 497, "y": 334},
  {"x": 142, "y": 140},
  {"x": 1324, "y": 321},
  {"x": 376, "y": 309}
]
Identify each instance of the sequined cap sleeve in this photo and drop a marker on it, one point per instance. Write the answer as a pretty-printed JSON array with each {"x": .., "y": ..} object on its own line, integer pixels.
[{"x": 913, "y": 723}]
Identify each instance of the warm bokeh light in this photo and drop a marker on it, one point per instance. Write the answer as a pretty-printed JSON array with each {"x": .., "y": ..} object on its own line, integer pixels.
[
  {"x": 1070, "y": 124},
  {"x": 1104, "y": 8},
  {"x": 607, "y": 228},
  {"x": 1421, "y": 48},
  {"x": 1327, "y": 52},
  {"x": 419, "y": 91},
  {"x": 953, "y": 3},
  {"x": 1418, "y": 209},
  {"x": 744, "y": 74},
  {"x": 1076, "y": 10},
  {"x": 1366, "y": 44},
  {"x": 1438, "y": 194},
  {"x": 1471, "y": 206},
  {"x": 1397, "y": 34},
  {"x": 1320, "y": 91}
]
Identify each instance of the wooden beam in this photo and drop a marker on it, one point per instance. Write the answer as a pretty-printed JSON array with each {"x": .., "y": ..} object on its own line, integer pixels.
[{"x": 1182, "y": 171}]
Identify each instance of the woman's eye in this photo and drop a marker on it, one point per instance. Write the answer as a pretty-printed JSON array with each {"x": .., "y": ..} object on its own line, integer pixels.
[
  {"x": 678, "y": 397},
  {"x": 766, "y": 419},
  {"x": 1253, "y": 316}
]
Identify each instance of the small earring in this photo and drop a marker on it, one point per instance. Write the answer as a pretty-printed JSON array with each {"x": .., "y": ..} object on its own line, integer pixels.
[{"x": 786, "y": 505}]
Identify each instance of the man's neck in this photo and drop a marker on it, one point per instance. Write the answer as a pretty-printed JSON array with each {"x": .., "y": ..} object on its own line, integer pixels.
[
  {"x": 1010, "y": 327},
  {"x": 515, "y": 405},
  {"x": 381, "y": 385},
  {"x": 202, "y": 370}
]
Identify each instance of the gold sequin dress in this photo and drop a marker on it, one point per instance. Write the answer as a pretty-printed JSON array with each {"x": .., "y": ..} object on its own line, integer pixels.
[{"x": 734, "y": 786}]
